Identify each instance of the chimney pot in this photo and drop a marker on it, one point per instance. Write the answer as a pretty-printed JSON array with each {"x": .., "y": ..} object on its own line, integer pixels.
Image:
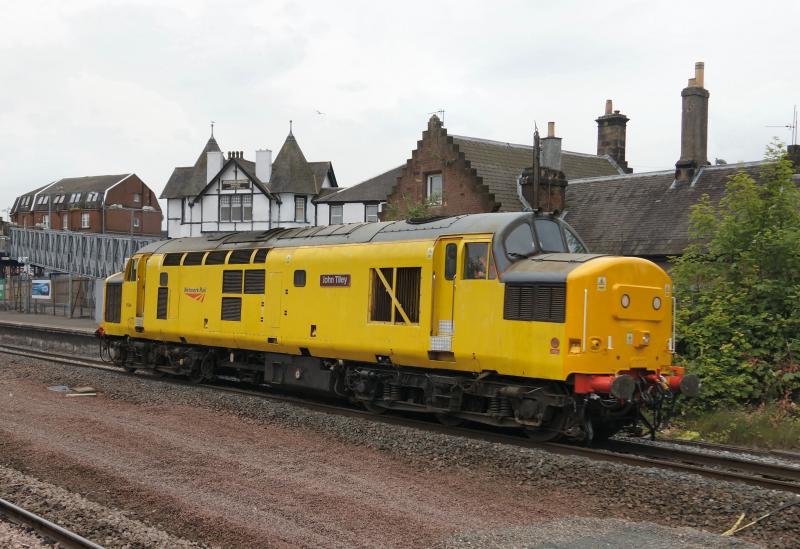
[
  {"x": 551, "y": 129},
  {"x": 609, "y": 106},
  {"x": 699, "y": 73},
  {"x": 616, "y": 112}
]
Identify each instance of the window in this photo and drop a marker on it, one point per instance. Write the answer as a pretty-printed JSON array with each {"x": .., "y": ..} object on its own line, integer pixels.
[
  {"x": 46, "y": 221},
  {"x": 44, "y": 199},
  {"x": 573, "y": 243},
  {"x": 65, "y": 222},
  {"x": 236, "y": 207},
  {"x": 92, "y": 197},
  {"x": 519, "y": 242},
  {"x": 247, "y": 207},
  {"x": 137, "y": 197},
  {"x": 84, "y": 221},
  {"x": 76, "y": 197},
  {"x": 300, "y": 278},
  {"x": 225, "y": 207},
  {"x": 136, "y": 221},
  {"x": 549, "y": 234},
  {"x": 300, "y": 209},
  {"x": 133, "y": 264},
  {"x": 371, "y": 213},
  {"x": 450, "y": 261},
  {"x": 435, "y": 189},
  {"x": 404, "y": 284},
  {"x": 477, "y": 262},
  {"x": 336, "y": 214}
]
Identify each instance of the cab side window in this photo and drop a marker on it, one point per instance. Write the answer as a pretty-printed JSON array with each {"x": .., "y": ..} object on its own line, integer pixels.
[
  {"x": 573, "y": 243},
  {"x": 549, "y": 234},
  {"x": 133, "y": 264},
  {"x": 478, "y": 264}
]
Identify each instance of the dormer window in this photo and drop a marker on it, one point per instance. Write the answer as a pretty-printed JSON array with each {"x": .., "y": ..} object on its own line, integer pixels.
[
  {"x": 76, "y": 197},
  {"x": 92, "y": 197}
]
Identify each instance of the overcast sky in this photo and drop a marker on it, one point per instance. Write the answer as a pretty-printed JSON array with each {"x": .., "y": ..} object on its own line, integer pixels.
[{"x": 102, "y": 87}]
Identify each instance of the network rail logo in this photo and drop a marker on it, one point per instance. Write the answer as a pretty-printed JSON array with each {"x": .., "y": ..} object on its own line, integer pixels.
[{"x": 198, "y": 294}]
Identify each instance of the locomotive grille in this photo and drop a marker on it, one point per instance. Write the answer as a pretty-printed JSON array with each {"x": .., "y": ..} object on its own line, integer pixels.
[
  {"x": 231, "y": 308},
  {"x": 193, "y": 258},
  {"x": 216, "y": 258},
  {"x": 232, "y": 282},
  {"x": 537, "y": 302},
  {"x": 171, "y": 260},
  {"x": 254, "y": 281},
  {"x": 161, "y": 305},
  {"x": 113, "y": 311},
  {"x": 239, "y": 257},
  {"x": 261, "y": 256}
]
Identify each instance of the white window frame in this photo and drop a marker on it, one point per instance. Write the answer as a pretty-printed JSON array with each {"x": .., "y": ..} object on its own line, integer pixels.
[
  {"x": 247, "y": 207},
  {"x": 367, "y": 215},
  {"x": 300, "y": 207},
  {"x": 224, "y": 206},
  {"x": 85, "y": 221},
  {"x": 46, "y": 221},
  {"x": 332, "y": 217},
  {"x": 435, "y": 198},
  {"x": 236, "y": 207},
  {"x": 136, "y": 222},
  {"x": 65, "y": 221}
]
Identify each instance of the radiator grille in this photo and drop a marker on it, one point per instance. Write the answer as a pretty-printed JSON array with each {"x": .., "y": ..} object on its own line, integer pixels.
[
  {"x": 239, "y": 257},
  {"x": 261, "y": 256},
  {"x": 254, "y": 281},
  {"x": 231, "y": 308},
  {"x": 113, "y": 312},
  {"x": 161, "y": 305},
  {"x": 232, "y": 282},
  {"x": 193, "y": 258},
  {"x": 538, "y": 302},
  {"x": 171, "y": 260},
  {"x": 216, "y": 258}
]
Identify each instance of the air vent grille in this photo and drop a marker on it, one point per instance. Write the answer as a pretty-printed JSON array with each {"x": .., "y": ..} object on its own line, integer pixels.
[
  {"x": 537, "y": 302},
  {"x": 113, "y": 303},
  {"x": 231, "y": 308},
  {"x": 232, "y": 282},
  {"x": 254, "y": 281}
]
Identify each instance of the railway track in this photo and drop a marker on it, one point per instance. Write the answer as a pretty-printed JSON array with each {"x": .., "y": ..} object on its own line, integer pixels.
[
  {"x": 48, "y": 530},
  {"x": 721, "y": 466}
]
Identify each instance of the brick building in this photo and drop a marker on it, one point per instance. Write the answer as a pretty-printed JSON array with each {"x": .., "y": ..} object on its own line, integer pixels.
[
  {"x": 121, "y": 204},
  {"x": 457, "y": 175}
]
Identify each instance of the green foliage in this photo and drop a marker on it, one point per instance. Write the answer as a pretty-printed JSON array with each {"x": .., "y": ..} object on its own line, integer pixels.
[
  {"x": 738, "y": 288},
  {"x": 409, "y": 209},
  {"x": 775, "y": 425}
]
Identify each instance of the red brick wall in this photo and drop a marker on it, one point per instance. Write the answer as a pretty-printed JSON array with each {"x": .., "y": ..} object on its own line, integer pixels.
[
  {"x": 462, "y": 190},
  {"x": 119, "y": 221}
]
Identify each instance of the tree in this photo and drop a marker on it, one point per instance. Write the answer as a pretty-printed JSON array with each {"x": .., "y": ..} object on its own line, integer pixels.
[
  {"x": 409, "y": 209},
  {"x": 738, "y": 288}
]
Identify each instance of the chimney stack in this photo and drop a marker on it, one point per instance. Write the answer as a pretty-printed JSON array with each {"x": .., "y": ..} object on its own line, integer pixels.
[
  {"x": 263, "y": 165},
  {"x": 214, "y": 161},
  {"x": 551, "y": 149},
  {"x": 611, "y": 130},
  {"x": 694, "y": 127}
]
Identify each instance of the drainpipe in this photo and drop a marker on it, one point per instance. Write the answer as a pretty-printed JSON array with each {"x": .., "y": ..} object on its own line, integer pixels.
[{"x": 526, "y": 207}]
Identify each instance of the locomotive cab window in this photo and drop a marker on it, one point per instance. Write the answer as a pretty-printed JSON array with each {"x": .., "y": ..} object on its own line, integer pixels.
[
  {"x": 477, "y": 262},
  {"x": 133, "y": 264},
  {"x": 574, "y": 244},
  {"x": 549, "y": 234},
  {"x": 300, "y": 278},
  {"x": 519, "y": 242}
]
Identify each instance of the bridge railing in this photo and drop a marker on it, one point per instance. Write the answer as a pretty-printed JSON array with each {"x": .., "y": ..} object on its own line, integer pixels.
[{"x": 86, "y": 254}]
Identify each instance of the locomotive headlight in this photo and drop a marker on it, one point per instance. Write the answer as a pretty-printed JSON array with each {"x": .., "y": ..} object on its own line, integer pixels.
[
  {"x": 656, "y": 303},
  {"x": 625, "y": 301}
]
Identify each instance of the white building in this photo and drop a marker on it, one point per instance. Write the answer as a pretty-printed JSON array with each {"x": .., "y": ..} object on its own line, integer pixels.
[
  {"x": 221, "y": 194},
  {"x": 360, "y": 203}
]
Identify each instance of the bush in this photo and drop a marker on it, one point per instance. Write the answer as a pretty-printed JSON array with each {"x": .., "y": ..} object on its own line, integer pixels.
[{"x": 738, "y": 288}]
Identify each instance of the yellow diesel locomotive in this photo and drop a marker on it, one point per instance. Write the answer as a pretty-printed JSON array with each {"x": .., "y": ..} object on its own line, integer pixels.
[{"x": 501, "y": 319}]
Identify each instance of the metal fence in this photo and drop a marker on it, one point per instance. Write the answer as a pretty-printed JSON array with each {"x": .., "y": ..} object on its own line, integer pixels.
[
  {"x": 82, "y": 254},
  {"x": 68, "y": 296}
]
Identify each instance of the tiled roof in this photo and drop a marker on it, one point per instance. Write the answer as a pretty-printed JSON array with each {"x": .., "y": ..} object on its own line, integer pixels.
[
  {"x": 643, "y": 214},
  {"x": 374, "y": 189},
  {"x": 499, "y": 164},
  {"x": 322, "y": 170},
  {"x": 190, "y": 180},
  {"x": 291, "y": 172}
]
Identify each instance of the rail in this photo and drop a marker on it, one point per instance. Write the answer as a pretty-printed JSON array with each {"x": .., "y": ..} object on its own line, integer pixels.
[{"x": 49, "y": 530}]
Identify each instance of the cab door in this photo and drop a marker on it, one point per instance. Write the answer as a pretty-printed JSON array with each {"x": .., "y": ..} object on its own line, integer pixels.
[
  {"x": 141, "y": 279},
  {"x": 445, "y": 270}
]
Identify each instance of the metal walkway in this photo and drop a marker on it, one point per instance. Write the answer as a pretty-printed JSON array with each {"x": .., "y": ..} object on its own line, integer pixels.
[{"x": 87, "y": 254}]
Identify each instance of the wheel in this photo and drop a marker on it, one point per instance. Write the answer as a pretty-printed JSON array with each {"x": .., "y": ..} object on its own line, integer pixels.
[
  {"x": 196, "y": 375},
  {"x": 129, "y": 369},
  {"x": 450, "y": 421},
  {"x": 373, "y": 408},
  {"x": 550, "y": 430}
]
